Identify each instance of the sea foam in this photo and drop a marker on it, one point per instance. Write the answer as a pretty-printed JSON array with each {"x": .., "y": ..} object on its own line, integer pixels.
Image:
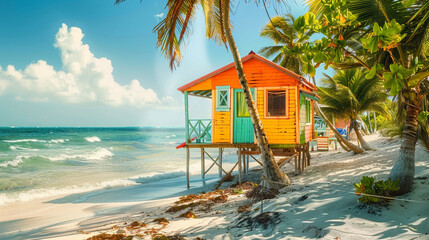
[
  {"x": 93, "y": 139},
  {"x": 15, "y": 148},
  {"x": 23, "y": 140},
  {"x": 152, "y": 177},
  {"x": 58, "y": 140},
  {"x": 37, "y": 140},
  {"x": 98, "y": 154},
  {"x": 50, "y": 192},
  {"x": 13, "y": 163}
]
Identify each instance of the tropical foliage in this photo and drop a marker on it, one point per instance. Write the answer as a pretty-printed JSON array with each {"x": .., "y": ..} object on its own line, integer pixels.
[
  {"x": 371, "y": 191},
  {"x": 394, "y": 127},
  {"x": 389, "y": 38},
  {"x": 350, "y": 93},
  {"x": 281, "y": 31}
]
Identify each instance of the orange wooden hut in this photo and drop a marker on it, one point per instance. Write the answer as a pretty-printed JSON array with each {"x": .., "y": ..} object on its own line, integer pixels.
[{"x": 284, "y": 101}]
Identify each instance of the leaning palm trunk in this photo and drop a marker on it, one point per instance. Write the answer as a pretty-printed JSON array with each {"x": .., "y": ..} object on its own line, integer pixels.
[
  {"x": 375, "y": 122},
  {"x": 361, "y": 139},
  {"x": 276, "y": 178},
  {"x": 404, "y": 168},
  {"x": 366, "y": 128},
  {"x": 369, "y": 122},
  {"x": 344, "y": 146},
  {"x": 349, "y": 145}
]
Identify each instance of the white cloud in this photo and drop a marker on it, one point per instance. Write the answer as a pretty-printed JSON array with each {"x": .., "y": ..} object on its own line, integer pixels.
[
  {"x": 159, "y": 16},
  {"x": 84, "y": 78}
]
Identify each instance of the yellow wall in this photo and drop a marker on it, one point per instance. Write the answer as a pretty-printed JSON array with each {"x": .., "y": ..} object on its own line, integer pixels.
[
  {"x": 279, "y": 130},
  {"x": 221, "y": 123}
]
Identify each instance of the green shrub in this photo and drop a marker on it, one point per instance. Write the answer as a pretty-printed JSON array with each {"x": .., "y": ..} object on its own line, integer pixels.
[{"x": 372, "y": 191}]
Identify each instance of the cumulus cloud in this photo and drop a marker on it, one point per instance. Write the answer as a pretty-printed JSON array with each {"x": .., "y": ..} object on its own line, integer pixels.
[
  {"x": 159, "y": 16},
  {"x": 84, "y": 78}
]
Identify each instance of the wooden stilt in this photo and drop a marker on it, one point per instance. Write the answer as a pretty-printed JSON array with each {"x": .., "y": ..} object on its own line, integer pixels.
[
  {"x": 239, "y": 165},
  {"x": 203, "y": 164},
  {"x": 220, "y": 161},
  {"x": 295, "y": 159},
  {"x": 243, "y": 157},
  {"x": 308, "y": 154},
  {"x": 187, "y": 166},
  {"x": 247, "y": 164},
  {"x": 303, "y": 159},
  {"x": 299, "y": 159}
]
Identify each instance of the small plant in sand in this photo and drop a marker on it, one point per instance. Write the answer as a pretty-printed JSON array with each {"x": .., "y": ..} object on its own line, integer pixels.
[
  {"x": 259, "y": 193},
  {"x": 378, "y": 192}
]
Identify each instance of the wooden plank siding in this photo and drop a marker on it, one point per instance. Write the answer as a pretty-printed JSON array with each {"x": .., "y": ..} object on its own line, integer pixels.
[
  {"x": 258, "y": 74},
  {"x": 292, "y": 129},
  {"x": 205, "y": 85},
  {"x": 221, "y": 123},
  {"x": 279, "y": 130}
]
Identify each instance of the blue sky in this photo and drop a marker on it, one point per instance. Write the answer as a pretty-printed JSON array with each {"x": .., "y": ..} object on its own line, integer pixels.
[{"x": 93, "y": 63}]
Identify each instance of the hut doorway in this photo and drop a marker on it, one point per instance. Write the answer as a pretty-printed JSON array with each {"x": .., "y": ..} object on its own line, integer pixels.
[{"x": 243, "y": 127}]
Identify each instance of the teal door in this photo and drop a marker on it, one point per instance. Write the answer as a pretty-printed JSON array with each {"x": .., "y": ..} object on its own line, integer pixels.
[{"x": 243, "y": 127}]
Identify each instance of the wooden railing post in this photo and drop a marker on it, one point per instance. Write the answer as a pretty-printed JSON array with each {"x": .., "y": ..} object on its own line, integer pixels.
[
  {"x": 188, "y": 156},
  {"x": 203, "y": 164},
  {"x": 220, "y": 161},
  {"x": 188, "y": 139}
]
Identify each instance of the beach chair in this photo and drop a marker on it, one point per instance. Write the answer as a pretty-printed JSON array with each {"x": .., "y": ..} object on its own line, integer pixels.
[{"x": 322, "y": 143}]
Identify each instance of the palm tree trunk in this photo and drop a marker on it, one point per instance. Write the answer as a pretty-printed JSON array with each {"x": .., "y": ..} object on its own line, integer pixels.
[
  {"x": 362, "y": 141},
  {"x": 404, "y": 168},
  {"x": 366, "y": 129},
  {"x": 369, "y": 121},
  {"x": 340, "y": 138},
  {"x": 344, "y": 146},
  {"x": 375, "y": 122},
  {"x": 277, "y": 179}
]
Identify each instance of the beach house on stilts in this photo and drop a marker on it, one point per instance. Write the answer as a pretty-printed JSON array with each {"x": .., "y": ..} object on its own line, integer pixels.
[{"x": 284, "y": 101}]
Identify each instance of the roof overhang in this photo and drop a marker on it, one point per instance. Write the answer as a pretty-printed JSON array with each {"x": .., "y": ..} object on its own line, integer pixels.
[
  {"x": 251, "y": 55},
  {"x": 310, "y": 95},
  {"x": 201, "y": 93}
]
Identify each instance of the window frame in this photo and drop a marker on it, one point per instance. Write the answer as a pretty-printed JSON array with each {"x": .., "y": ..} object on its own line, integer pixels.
[
  {"x": 286, "y": 90},
  {"x": 307, "y": 111},
  {"x": 228, "y": 100}
]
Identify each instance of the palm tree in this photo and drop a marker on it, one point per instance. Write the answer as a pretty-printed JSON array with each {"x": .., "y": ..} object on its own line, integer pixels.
[
  {"x": 175, "y": 27},
  {"x": 413, "y": 47},
  {"x": 280, "y": 30},
  {"x": 349, "y": 93}
]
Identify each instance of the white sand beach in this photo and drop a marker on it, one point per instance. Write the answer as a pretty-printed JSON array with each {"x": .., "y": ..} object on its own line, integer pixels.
[{"x": 320, "y": 203}]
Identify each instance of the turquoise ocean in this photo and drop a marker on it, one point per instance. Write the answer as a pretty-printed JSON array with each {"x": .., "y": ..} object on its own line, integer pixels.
[{"x": 92, "y": 164}]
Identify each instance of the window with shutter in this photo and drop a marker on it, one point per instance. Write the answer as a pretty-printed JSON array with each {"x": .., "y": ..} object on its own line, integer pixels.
[{"x": 222, "y": 96}]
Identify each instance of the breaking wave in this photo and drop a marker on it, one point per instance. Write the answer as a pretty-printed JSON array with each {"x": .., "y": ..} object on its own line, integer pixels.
[
  {"x": 13, "y": 163},
  {"x": 93, "y": 139},
  {"x": 151, "y": 177},
  {"x": 98, "y": 154},
  {"x": 49, "y": 192},
  {"x": 37, "y": 140}
]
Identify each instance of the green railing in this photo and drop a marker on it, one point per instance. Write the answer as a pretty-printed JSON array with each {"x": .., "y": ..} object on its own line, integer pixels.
[{"x": 200, "y": 128}]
